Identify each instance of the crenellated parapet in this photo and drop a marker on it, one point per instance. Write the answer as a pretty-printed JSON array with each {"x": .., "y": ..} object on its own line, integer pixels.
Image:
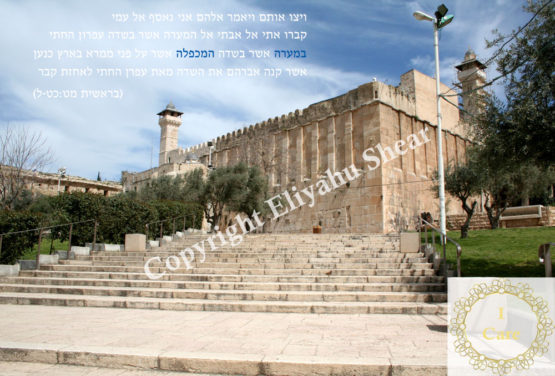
[{"x": 396, "y": 97}]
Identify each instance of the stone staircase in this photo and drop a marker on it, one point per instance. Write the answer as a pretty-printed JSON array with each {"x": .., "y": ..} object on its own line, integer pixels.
[{"x": 301, "y": 273}]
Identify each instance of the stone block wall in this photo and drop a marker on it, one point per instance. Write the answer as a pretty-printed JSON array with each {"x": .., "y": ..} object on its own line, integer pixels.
[
  {"x": 297, "y": 150},
  {"x": 480, "y": 221}
]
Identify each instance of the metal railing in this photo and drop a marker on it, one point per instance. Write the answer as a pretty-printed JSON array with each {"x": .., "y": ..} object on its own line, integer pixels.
[
  {"x": 444, "y": 238},
  {"x": 173, "y": 221},
  {"x": 544, "y": 254},
  {"x": 41, "y": 231}
]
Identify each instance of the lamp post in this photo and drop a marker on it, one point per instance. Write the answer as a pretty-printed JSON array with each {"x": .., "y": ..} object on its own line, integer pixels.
[
  {"x": 440, "y": 20},
  {"x": 61, "y": 174}
]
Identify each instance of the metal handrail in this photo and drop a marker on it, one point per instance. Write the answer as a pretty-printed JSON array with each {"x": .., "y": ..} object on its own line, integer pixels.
[
  {"x": 46, "y": 227},
  {"x": 147, "y": 225},
  {"x": 444, "y": 240},
  {"x": 544, "y": 254},
  {"x": 41, "y": 231}
]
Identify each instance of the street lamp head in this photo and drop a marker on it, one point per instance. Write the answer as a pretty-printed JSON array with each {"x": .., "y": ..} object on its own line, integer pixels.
[
  {"x": 421, "y": 16},
  {"x": 446, "y": 20}
]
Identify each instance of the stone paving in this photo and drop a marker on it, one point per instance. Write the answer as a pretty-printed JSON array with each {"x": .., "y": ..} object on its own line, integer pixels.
[
  {"x": 43, "y": 369},
  {"x": 234, "y": 342}
]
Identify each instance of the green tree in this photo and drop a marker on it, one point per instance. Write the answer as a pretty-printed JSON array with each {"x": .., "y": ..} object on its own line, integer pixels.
[
  {"x": 79, "y": 207},
  {"x": 464, "y": 181},
  {"x": 235, "y": 188},
  {"x": 507, "y": 185},
  {"x": 163, "y": 188},
  {"x": 254, "y": 193},
  {"x": 14, "y": 245},
  {"x": 523, "y": 129},
  {"x": 193, "y": 186}
]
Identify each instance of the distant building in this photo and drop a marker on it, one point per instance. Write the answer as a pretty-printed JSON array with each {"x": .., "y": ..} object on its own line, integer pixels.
[{"x": 50, "y": 184}]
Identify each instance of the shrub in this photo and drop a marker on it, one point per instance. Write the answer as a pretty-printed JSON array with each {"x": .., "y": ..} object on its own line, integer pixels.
[
  {"x": 122, "y": 215},
  {"x": 191, "y": 213},
  {"x": 13, "y": 246},
  {"x": 78, "y": 207}
]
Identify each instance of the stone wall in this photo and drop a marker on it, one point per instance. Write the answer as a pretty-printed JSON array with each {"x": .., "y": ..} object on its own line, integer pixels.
[
  {"x": 298, "y": 149},
  {"x": 480, "y": 221},
  {"x": 47, "y": 184},
  {"x": 135, "y": 181}
]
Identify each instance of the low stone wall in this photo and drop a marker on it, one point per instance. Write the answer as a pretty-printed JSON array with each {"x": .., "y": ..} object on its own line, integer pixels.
[
  {"x": 548, "y": 216},
  {"x": 480, "y": 221}
]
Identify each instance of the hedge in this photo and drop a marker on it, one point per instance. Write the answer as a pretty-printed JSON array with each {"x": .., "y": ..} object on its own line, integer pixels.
[
  {"x": 13, "y": 246},
  {"x": 117, "y": 215}
]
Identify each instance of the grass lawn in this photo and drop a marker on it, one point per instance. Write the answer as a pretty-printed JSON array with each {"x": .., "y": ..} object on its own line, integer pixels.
[
  {"x": 501, "y": 253},
  {"x": 31, "y": 254}
]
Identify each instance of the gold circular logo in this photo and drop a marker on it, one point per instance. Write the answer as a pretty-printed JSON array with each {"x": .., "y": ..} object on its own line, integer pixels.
[{"x": 501, "y": 366}]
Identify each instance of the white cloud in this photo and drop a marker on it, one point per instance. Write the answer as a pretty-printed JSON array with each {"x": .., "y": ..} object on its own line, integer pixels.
[{"x": 111, "y": 135}]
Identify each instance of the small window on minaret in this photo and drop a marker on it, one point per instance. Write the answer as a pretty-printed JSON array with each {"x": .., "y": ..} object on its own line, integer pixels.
[{"x": 169, "y": 160}]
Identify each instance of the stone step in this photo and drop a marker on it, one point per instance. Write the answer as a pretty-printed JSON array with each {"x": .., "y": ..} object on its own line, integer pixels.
[
  {"x": 55, "y": 360},
  {"x": 268, "y": 241},
  {"x": 18, "y": 368},
  {"x": 275, "y": 265},
  {"x": 227, "y": 305},
  {"x": 272, "y": 258},
  {"x": 273, "y": 245},
  {"x": 202, "y": 270},
  {"x": 234, "y": 278},
  {"x": 260, "y": 260},
  {"x": 224, "y": 295},
  {"x": 76, "y": 262},
  {"x": 259, "y": 253},
  {"x": 264, "y": 286}
]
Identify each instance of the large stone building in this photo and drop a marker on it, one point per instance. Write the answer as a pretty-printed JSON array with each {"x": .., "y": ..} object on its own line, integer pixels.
[{"x": 297, "y": 149}]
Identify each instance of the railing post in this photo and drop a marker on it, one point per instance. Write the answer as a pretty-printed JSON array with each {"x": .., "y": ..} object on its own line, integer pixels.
[
  {"x": 419, "y": 234},
  {"x": 173, "y": 227},
  {"x": 94, "y": 236},
  {"x": 459, "y": 261},
  {"x": 445, "y": 271},
  {"x": 161, "y": 231},
  {"x": 547, "y": 261},
  {"x": 1, "y": 236},
  {"x": 38, "y": 248},
  {"x": 184, "y": 223},
  {"x": 69, "y": 240}
]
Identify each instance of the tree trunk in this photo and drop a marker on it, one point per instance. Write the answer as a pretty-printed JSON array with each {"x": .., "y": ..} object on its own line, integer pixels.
[
  {"x": 469, "y": 212},
  {"x": 493, "y": 216},
  {"x": 493, "y": 221}
]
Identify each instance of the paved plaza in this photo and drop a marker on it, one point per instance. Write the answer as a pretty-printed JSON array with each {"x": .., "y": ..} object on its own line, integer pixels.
[{"x": 243, "y": 343}]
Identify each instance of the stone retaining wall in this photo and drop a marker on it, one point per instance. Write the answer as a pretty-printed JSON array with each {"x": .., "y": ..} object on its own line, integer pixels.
[{"x": 480, "y": 221}]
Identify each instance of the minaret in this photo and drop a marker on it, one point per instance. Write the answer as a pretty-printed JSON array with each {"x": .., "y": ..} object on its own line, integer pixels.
[
  {"x": 170, "y": 120},
  {"x": 471, "y": 75}
]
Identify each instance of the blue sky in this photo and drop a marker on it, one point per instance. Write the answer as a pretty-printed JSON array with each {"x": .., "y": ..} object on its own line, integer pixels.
[{"x": 348, "y": 43}]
